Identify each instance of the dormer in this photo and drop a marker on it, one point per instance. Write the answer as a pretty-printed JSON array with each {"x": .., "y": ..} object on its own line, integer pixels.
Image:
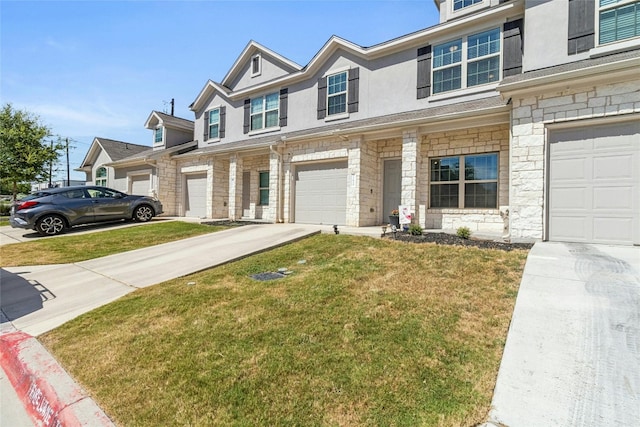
[
  {"x": 454, "y": 9},
  {"x": 255, "y": 65},
  {"x": 169, "y": 131}
]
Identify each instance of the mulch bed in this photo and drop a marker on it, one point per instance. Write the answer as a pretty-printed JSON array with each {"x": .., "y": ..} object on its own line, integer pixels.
[{"x": 452, "y": 239}]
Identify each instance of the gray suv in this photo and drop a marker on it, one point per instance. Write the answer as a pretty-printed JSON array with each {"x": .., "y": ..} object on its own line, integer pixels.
[{"x": 51, "y": 211}]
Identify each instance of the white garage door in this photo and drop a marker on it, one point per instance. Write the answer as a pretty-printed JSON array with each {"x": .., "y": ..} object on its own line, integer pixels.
[
  {"x": 195, "y": 197},
  {"x": 321, "y": 193},
  {"x": 140, "y": 185},
  {"x": 594, "y": 184}
]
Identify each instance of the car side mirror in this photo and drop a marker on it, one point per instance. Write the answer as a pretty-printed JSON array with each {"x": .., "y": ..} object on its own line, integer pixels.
[{"x": 119, "y": 196}]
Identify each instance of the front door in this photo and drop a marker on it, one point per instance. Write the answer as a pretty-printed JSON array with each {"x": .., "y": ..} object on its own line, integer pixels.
[
  {"x": 246, "y": 194},
  {"x": 392, "y": 187}
]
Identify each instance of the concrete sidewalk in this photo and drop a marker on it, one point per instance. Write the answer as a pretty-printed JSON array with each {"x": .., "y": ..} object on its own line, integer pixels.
[
  {"x": 572, "y": 356},
  {"x": 40, "y": 298}
]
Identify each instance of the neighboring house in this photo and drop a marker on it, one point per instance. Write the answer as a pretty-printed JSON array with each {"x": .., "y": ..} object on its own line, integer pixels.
[
  {"x": 527, "y": 110},
  {"x": 97, "y": 164},
  {"x": 35, "y": 186}
]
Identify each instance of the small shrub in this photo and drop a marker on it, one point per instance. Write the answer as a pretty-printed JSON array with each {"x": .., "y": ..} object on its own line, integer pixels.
[
  {"x": 463, "y": 232},
  {"x": 415, "y": 230},
  {"x": 5, "y": 208}
]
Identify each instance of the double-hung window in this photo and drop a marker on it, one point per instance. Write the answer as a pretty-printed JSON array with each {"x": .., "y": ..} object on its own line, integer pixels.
[
  {"x": 264, "y": 188},
  {"x": 101, "y": 176},
  {"x": 265, "y": 111},
  {"x": 158, "y": 135},
  {"x": 618, "y": 19},
  {"x": 337, "y": 93},
  {"x": 464, "y": 182},
  {"x": 214, "y": 123},
  {"x": 459, "y": 4},
  {"x": 467, "y": 62}
]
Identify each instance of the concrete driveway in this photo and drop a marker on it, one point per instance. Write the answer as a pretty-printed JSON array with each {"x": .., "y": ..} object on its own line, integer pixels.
[
  {"x": 40, "y": 298},
  {"x": 572, "y": 356}
]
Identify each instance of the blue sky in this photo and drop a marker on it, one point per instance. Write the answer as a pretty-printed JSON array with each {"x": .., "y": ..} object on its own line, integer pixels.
[{"x": 98, "y": 68}]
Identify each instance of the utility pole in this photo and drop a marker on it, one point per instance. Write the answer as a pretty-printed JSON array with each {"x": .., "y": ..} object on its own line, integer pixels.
[
  {"x": 50, "y": 166},
  {"x": 68, "y": 180}
]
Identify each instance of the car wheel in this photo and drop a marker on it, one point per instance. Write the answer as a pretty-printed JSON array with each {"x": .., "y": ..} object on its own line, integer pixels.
[
  {"x": 50, "y": 225},
  {"x": 143, "y": 213}
]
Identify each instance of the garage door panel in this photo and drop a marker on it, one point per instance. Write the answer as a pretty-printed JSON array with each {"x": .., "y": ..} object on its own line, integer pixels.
[
  {"x": 571, "y": 228},
  {"x": 569, "y": 169},
  {"x": 321, "y": 193},
  {"x": 613, "y": 167},
  {"x": 611, "y": 230},
  {"x": 594, "y": 184},
  {"x": 613, "y": 198}
]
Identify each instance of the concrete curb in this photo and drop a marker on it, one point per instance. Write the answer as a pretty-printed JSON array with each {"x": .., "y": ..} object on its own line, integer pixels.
[{"x": 50, "y": 396}]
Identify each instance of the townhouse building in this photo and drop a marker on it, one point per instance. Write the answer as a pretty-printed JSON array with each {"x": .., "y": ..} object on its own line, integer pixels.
[{"x": 521, "y": 114}]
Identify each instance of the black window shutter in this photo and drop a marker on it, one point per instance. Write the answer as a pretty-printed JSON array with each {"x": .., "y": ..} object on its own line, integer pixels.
[
  {"x": 284, "y": 101},
  {"x": 424, "y": 72},
  {"x": 206, "y": 125},
  {"x": 322, "y": 97},
  {"x": 513, "y": 33},
  {"x": 247, "y": 115},
  {"x": 581, "y": 26},
  {"x": 223, "y": 116},
  {"x": 354, "y": 89}
]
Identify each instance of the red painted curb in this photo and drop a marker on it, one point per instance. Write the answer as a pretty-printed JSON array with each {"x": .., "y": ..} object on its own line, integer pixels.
[{"x": 33, "y": 373}]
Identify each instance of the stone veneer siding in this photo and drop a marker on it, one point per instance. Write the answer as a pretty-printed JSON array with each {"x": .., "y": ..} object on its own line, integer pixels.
[
  {"x": 486, "y": 139},
  {"x": 530, "y": 117},
  {"x": 167, "y": 189}
]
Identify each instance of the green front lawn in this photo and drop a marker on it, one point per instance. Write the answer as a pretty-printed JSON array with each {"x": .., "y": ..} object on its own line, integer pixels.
[
  {"x": 364, "y": 332},
  {"x": 75, "y": 248}
]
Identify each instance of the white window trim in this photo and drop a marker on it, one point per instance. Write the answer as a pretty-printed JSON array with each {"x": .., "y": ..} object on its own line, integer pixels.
[
  {"x": 345, "y": 114},
  {"x": 465, "y": 61},
  {"x": 157, "y": 143},
  {"x": 462, "y": 181},
  {"x": 603, "y": 48},
  {"x": 467, "y": 8},
  {"x": 259, "y": 72},
  {"x": 105, "y": 178},
  {"x": 217, "y": 138},
  {"x": 264, "y": 114}
]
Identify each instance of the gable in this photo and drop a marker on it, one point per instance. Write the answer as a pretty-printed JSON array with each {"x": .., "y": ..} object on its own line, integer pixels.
[{"x": 270, "y": 65}]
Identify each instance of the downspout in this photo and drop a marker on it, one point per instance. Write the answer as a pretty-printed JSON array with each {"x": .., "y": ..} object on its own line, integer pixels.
[
  {"x": 279, "y": 204},
  {"x": 155, "y": 190}
]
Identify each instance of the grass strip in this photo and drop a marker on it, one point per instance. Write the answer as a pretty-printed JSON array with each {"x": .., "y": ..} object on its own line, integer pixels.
[
  {"x": 364, "y": 332},
  {"x": 75, "y": 248}
]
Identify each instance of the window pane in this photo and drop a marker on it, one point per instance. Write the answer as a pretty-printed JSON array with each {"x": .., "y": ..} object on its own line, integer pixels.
[
  {"x": 447, "y": 79},
  {"x": 271, "y": 119},
  {"x": 444, "y": 195},
  {"x": 626, "y": 22},
  {"x": 256, "y": 122},
  {"x": 483, "y": 44},
  {"x": 620, "y": 23},
  {"x": 337, "y": 83},
  {"x": 256, "y": 105},
  {"x": 459, "y": 4},
  {"x": 213, "y": 131},
  {"x": 337, "y": 104},
  {"x": 264, "y": 179},
  {"x": 447, "y": 169},
  {"x": 447, "y": 53},
  {"x": 481, "y": 195},
  {"x": 158, "y": 135},
  {"x": 264, "y": 197},
  {"x": 214, "y": 116},
  {"x": 272, "y": 101},
  {"x": 483, "y": 71},
  {"x": 481, "y": 167}
]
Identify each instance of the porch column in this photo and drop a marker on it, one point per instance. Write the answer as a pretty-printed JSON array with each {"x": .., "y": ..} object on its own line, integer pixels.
[
  {"x": 353, "y": 184},
  {"x": 410, "y": 169},
  {"x": 235, "y": 187},
  {"x": 275, "y": 186}
]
